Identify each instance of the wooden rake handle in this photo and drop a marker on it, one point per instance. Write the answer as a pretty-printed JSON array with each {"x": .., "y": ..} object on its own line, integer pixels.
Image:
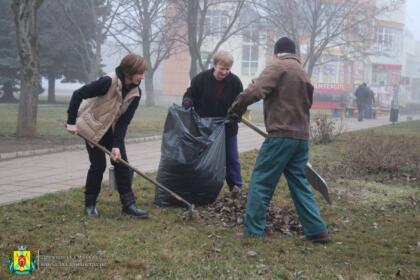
[{"x": 151, "y": 180}]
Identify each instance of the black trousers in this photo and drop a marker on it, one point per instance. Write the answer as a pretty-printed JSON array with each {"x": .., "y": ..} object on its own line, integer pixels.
[{"x": 123, "y": 175}]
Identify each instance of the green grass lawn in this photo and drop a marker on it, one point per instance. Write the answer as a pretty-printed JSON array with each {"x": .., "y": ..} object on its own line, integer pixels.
[
  {"x": 51, "y": 120},
  {"x": 257, "y": 114},
  {"x": 375, "y": 227}
]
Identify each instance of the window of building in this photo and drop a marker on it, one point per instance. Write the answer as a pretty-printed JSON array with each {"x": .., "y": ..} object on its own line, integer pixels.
[
  {"x": 330, "y": 70},
  {"x": 379, "y": 78},
  {"x": 249, "y": 60},
  {"x": 216, "y": 22},
  {"x": 250, "y": 51},
  {"x": 250, "y": 34},
  {"x": 387, "y": 40}
]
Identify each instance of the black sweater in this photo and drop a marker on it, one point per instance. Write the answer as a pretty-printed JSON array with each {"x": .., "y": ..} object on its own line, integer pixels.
[
  {"x": 207, "y": 103},
  {"x": 99, "y": 88}
]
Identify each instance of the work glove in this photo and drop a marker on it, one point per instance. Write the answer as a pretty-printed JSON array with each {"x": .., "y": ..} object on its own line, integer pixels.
[
  {"x": 187, "y": 103},
  {"x": 233, "y": 117},
  {"x": 237, "y": 109}
]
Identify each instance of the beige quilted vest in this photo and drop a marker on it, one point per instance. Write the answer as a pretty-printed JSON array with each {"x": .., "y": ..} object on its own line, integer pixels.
[{"x": 96, "y": 115}]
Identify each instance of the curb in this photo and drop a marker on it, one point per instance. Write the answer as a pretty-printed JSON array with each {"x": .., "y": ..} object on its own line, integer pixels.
[{"x": 21, "y": 154}]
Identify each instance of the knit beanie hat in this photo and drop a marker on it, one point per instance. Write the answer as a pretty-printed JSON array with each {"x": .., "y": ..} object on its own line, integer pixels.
[{"x": 284, "y": 45}]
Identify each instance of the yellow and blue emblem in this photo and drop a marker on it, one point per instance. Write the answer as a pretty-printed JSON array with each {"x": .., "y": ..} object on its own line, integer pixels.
[{"x": 22, "y": 262}]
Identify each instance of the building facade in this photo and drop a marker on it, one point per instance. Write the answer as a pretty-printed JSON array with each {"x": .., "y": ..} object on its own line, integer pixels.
[
  {"x": 384, "y": 70},
  {"x": 248, "y": 47},
  {"x": 410, "y": 80},
  {"x": 393, "y": 62}
]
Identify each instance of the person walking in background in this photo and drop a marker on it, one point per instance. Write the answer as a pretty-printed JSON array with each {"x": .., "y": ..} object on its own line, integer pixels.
[
  {"x": 211, "y": 93},
  {"x": 287, "y": 93},
  {"x": 362, "y": 94},
  {"x": 109, "y": 104}
]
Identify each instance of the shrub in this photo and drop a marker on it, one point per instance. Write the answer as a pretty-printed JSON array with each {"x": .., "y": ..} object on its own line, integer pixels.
[
  {"x": 324, "y": 129},
  {"x": 374, "y": 154}
]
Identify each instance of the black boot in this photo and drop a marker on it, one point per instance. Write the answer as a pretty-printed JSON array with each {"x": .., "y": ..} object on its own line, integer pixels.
[
  {"x": 130, "y": 208},
  {"x": 90, "y": 205}
]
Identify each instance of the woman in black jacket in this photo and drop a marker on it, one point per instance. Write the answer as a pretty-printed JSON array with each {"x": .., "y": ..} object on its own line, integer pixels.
[
  {"x": 211, "y": 93},
  {"x": 109, "y": 104}
]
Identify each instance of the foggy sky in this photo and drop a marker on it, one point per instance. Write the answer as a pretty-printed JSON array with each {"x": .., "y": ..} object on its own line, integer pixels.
[{"x": 412, "y": 19}]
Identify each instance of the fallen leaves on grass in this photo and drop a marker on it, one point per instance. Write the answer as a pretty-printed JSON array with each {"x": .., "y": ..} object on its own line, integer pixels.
[
  {"x": 251, "y": 254},
  {"x": 263, "y": 269},
  {"x": 230, "y": 212}
]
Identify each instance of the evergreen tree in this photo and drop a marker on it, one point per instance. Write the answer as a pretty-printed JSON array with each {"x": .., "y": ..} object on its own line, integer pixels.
[{"x": 9, "y": 59}]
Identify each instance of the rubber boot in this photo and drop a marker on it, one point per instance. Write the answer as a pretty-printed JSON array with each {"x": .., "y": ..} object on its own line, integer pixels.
[
  {"x": 90, "y": 205},
  {"x": 130, "y": 208}
]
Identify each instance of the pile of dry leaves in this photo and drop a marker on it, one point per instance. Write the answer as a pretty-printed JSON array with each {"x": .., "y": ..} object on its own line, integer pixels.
[{"x": 229, "y": 212}]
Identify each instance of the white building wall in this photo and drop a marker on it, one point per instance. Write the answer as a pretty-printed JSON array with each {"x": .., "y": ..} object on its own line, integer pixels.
[
  {"x": 411, "y": 69},
  {"x": 388, "y": 58},
  {"x": 235, "y": 46}
]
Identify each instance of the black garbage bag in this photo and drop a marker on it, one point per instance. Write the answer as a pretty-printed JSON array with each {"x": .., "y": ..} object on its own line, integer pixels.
[{"x": 193, "y": 158}]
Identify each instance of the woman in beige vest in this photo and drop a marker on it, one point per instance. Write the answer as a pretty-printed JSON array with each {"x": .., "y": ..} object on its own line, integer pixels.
[{"x": 101, "y": 112}]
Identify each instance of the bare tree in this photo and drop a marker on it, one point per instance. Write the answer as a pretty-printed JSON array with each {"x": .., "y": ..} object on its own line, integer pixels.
[
  {"x": 25, "y": 13},
  {"x": 202, "y": 30},
  {"x": 88, "y": 37},
  {"x": 149, "y": 24},
  {"x": 321, "y": 26}
]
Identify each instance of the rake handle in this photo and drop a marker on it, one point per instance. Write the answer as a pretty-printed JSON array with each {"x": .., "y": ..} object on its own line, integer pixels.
[
  {"x": 151, "y": 180},
  {"x": 254, "y": 127}
]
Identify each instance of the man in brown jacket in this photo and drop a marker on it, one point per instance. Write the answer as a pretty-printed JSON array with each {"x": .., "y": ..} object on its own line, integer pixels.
[{"x": 287, "y": 93}]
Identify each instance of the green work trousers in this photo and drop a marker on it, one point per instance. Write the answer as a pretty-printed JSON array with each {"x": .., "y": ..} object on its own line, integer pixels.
[{"x": 277, "y": 156}]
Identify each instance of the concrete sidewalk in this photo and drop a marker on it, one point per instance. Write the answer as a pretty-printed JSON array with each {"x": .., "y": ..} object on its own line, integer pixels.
[{"x": 29, "y": 177}]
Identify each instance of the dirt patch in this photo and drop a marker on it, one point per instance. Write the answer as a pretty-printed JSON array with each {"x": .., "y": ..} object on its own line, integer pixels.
[{"x": 12, "y": 144}]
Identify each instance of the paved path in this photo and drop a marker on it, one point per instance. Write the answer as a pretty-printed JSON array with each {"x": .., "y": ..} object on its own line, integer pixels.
[{"x": 29, "y": 177}]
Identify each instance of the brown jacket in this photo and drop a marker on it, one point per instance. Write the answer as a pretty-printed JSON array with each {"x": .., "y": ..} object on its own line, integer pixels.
[
  {"x": 97, "y": 114},
  {"x": 287, "y": 93}
]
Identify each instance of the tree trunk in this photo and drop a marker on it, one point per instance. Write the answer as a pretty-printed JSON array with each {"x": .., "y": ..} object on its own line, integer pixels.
[
  {"x": 25, "y": 12},
  {"x": 95, "y": 62},
  {"x": 51, "y": 85},
  {"x": 148, "y": 81},
  {"x": 146, "y": 46},
  {"x": 311, "y": 66},
  {"x": 193, "y": 66},
  {"x": 93, "y": 69},
  {"x": 193, "y": 8}
]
